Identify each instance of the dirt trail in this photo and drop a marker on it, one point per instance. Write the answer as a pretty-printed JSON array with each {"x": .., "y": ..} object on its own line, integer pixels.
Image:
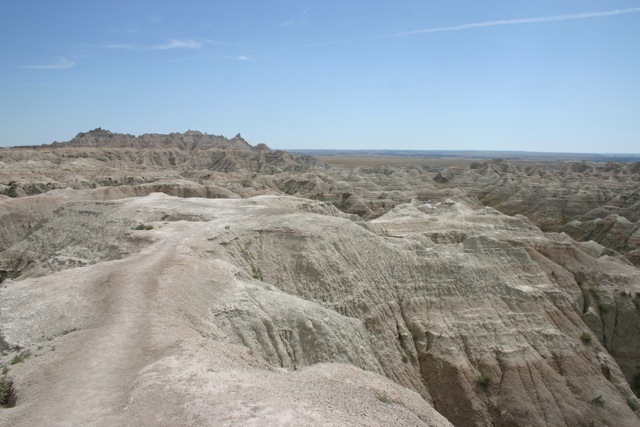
[{"x": 91, "y": 386}]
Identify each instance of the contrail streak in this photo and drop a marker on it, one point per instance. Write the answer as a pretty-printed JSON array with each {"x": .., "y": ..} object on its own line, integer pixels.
[
  {"x": 462, "y": 27},
  {"x": 555, "y": 18}
]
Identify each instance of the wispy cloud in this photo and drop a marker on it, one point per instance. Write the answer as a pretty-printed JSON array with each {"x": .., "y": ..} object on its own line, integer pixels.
[
  {"x": 218, "y": 42},
  {"x": 61, "y": 64},
  {"x": 167, "y": 61},
  {"x": 484, "y": 24},
  {"x": 232, "y": 57},
  {"x": 188, "y": 59},
  {"x": 171, "y": 44},
  {"x": 300, "y": 20},
  {"x": 179, "y": 44}
]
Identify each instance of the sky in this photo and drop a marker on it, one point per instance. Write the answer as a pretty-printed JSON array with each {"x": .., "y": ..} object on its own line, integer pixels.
[{"x": 524, "y": 75}]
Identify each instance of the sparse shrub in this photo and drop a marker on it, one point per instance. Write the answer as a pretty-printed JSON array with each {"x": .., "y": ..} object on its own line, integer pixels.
[
  {"x": 256, "y": 273},
  {"x": 633, "y": 403},
  {"x": 635, "y": 384},
  {"x": 405, "y": 359},
  {"x": 604, "y": 308},
  {"x": 227, "y": 227},
  {"x": 586, "y": 337},
  {"x": 483, "y": 379},
  {"x": 6, "y": 391},
  {"x": 245, "y": 250},
  {"x": 20, "y": 357},
  {"x": 143, "y": 227},
  {"x": 384, "y": 398},
  {"x": 598, "y": 400},
  {"x": 606, "y": 371}
]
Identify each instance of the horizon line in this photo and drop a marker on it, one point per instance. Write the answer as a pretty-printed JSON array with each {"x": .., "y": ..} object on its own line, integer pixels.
[{"x": 338, "y": 150}]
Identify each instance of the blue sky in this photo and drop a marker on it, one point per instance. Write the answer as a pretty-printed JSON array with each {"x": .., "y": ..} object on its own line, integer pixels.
[{"x": 533, "y": 75}]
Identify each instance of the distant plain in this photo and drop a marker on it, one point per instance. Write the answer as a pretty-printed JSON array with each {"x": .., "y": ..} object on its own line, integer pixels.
[{"x": 451, "y": 158}]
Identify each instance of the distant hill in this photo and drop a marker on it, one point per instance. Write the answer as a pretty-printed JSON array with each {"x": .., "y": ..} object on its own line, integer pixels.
[
  {"x": 475, "y": 154},
  {"x": 190, "y": 140}
]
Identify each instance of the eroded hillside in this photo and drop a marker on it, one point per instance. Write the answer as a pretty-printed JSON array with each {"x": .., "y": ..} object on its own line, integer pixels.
[{"x": 392, "y": 299}]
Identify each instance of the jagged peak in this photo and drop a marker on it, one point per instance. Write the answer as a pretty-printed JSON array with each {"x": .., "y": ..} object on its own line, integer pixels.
[
  {"x": 94, "y": 132},
  {"x": 189, "y": 140},
  {"x": 262, "y": 147}
]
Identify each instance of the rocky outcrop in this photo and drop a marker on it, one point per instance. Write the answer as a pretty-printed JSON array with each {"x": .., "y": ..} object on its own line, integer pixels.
[
  {"x": 102, "y": 158},
  {"x": 190, "y": 140}
]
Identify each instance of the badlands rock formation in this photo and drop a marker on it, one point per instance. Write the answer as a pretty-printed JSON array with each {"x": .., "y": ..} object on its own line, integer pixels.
[
  {"x": 231, "y": 299},
  {"x": 588, "y": 201},
  {"x": 598, "y": 202}
]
